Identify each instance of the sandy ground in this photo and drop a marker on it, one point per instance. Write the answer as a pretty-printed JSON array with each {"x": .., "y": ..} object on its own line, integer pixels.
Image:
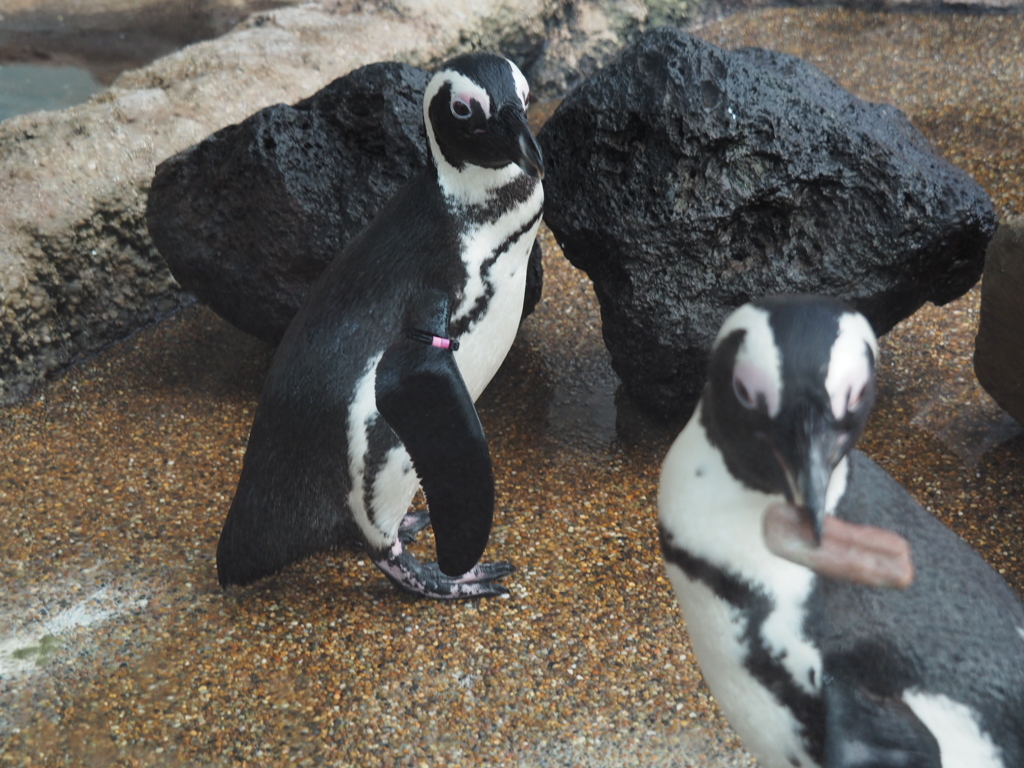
[{"x": 118, "y": 648}]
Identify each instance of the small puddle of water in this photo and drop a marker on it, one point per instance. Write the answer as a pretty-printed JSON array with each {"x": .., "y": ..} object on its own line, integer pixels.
[{"x": 32, "y": 87}]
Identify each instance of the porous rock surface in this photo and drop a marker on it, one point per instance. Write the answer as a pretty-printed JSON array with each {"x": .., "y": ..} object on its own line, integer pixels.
[
  {"x": 999, "y": 345},
  {"x": 687, "y": 180},
  {"x": 78, "y": 269},
  {"x": 249, "y": 217}
]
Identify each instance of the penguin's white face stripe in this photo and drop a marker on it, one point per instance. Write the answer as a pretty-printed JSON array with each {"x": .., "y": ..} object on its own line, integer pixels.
[
  {"x": 758, "y": 369},
  {"x": 522, "y": 87},
  {"x": 463, "y": 89},
  {"x": 436, "y": 83},
  {"x": 962, "y": 743},
  {"x": 850, "y": 369}
]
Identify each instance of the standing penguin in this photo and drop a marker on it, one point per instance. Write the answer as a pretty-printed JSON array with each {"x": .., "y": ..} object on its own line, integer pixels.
[
  {"x": 823, "y": 645},
  {"x": 371, "y": 392}
]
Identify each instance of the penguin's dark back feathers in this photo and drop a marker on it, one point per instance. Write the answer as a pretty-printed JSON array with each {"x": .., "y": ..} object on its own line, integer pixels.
[
  {"x": 294, "y": 477},
  {"x": 384, "y": 267},
  {"x": 958, "y": 630}
]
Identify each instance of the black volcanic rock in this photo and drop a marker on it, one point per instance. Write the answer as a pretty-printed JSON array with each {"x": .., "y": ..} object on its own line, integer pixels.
[
  {"x": 687, "y": 180},
  {"x": 248, "y": 218}
]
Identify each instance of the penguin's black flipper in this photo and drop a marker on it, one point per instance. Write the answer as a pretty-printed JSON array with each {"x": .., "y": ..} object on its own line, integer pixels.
[
  {"x": 863, "y": 730},
  {"x": 421, "y": 395}
]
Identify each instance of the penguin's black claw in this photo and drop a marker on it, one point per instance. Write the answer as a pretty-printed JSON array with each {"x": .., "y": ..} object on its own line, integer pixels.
[
  {"x": 412, "y": 524},
  {"x": 427, "y": 580}
]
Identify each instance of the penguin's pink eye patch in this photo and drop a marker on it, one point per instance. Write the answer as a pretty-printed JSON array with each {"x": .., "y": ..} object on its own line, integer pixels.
[
  {"x": 754, "y": 387},
  {"x": 847, "y": 391},
  {"x": 851, "y": 366}
]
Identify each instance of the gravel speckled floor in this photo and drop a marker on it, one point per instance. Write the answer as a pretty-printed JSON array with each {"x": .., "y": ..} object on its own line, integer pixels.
[{"x": 118, "y": 648}]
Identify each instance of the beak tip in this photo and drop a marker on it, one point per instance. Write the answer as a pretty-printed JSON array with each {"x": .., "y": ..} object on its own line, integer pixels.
[
  {"x": 530, "y": 158},
  {"x": 813, "y": 516},
  {"x": 816, "y": 527}
]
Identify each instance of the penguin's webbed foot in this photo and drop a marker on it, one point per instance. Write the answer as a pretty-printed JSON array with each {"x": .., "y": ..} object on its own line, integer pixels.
[
  {"x": 426, "y": 579},
  {"x": 412, "y": 524}
]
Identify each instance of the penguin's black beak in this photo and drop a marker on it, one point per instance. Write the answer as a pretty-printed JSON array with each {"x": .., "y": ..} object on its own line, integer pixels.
[
  {"x": 530, "y": 159},
  {"x": 812, "y": 481},
  {"x": 817, "y": 448},
  {"x": 524, "y": 150}
]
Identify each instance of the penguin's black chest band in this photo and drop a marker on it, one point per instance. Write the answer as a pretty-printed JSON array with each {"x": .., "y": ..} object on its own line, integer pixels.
[{"x": 425, "y": 337}]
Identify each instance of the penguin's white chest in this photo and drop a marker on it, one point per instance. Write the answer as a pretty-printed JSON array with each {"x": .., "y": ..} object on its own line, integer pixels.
[
  {"x": 496, "y": 255},
  {"x": 716, "y": 630},
  {"x": 714, "y": 518}
]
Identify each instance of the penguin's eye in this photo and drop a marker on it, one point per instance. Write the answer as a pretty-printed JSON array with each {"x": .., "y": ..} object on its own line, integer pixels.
[
  {"x": 744, "y": 395},
  {"x": 461, "y": 109},
  {"x": 755, "y": 389}
]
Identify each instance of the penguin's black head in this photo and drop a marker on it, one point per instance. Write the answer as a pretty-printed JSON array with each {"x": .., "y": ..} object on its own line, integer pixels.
[
  {"x": 475, "y": 113},
  {"x": 790, "y": 387}
]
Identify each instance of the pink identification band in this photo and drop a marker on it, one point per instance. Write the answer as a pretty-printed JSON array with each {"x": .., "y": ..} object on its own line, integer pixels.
[{"x": 426, "y": 337}]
